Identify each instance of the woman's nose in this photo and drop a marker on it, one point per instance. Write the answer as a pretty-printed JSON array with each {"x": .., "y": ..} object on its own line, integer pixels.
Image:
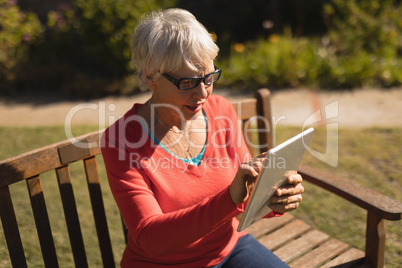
[{"x": 202, "y": 90}]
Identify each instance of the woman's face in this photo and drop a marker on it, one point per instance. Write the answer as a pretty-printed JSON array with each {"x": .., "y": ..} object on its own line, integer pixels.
[{"x": 189, "y": 102}]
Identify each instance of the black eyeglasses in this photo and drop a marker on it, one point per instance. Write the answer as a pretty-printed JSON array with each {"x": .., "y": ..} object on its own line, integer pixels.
[{"x": 192, "y": 82}]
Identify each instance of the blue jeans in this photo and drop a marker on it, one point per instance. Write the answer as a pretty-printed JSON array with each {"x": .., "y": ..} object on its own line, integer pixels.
[{"x": 248, "y": 252}]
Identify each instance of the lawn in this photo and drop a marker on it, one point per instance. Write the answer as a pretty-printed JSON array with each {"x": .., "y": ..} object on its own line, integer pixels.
[{"x": 370, "y": 157}]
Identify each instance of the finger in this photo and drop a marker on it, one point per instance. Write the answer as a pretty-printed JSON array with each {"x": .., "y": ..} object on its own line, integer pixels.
[
  {"x": 295, "y": 179},
  {"x": 282, "y": 208},
  {"x": 256, "y": 160},
  {"x": 257, "y": 165},
  {"x": 250, "y": 184},
  {"x": 248, "y": 170},
  {"x": 287, "y": 199},
  {"x": 239, "y": 190},
  {"x": 290, "y": 190},
  {"x": 262, "y": 156}
]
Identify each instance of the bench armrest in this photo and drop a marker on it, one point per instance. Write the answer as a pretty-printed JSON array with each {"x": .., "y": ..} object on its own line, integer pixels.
[{"x": 379, "y": 204}]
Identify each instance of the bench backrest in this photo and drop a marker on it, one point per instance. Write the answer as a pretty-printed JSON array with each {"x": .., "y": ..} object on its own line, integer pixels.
[{"x": 30, "y": 167}]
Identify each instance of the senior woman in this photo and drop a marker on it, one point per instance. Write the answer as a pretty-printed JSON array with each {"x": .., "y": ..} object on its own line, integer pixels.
[{"x": 178, "y": 165}]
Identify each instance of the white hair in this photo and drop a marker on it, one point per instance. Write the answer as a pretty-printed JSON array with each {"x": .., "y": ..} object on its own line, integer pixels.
[{"x": 165, "y": 40}]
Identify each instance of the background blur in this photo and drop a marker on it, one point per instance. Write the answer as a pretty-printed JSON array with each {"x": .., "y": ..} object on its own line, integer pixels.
[
  {"x": 58, "y": 54},
  {"x": 81, "y": 47}
]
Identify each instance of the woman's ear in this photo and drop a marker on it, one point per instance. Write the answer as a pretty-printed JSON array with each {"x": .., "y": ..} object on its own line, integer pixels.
[{"x": 150, "y": 82}]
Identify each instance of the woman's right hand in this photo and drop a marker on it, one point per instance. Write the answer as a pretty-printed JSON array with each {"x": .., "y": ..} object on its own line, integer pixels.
[{"x": 244, "y": 181}]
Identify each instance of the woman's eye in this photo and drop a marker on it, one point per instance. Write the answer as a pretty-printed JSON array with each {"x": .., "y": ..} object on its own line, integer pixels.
[{"x": 186, "y": 83}]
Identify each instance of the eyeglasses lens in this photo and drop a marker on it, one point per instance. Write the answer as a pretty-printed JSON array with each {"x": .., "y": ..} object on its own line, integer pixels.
[
  {"x": 189, "y": 83},
  {"x": 212, "y": 78},
  {"x": 194, "y": 82}
]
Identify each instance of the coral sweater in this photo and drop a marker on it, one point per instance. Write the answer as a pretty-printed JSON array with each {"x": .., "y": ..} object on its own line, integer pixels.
[{"x": 176, "y": 213}]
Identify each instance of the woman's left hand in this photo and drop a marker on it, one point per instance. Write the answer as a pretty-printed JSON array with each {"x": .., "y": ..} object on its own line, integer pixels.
[{"x": 288, "y": 197}]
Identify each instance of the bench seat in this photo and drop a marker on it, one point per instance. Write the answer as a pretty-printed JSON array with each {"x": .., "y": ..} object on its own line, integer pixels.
[{"x": 300, "y": 245}]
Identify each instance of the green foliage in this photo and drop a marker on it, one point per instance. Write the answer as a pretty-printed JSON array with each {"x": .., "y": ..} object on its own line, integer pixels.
[
  {"x": 102, "y": 29},
  {"x": 86, "y": 47},
  {"x": 363, "y": 47},
  {"x": 370, "y": 26},
  {"x": 369, "y": 34},
  {"x": 17, "y": 30},
  {"x": 279, "y": 61}
]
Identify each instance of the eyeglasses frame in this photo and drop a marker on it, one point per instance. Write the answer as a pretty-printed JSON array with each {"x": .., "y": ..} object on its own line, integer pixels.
[{"x": 177, "y": 82}]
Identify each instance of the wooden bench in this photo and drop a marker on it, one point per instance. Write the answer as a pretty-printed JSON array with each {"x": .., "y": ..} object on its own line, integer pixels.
[{"x": 291, "y": 239}]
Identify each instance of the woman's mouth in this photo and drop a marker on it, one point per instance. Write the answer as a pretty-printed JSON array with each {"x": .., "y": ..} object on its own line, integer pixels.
[{"x": 195, "y": 108}]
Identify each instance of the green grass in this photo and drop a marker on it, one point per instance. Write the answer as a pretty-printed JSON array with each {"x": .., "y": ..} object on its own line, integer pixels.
[{"x": 370, "y": 157}]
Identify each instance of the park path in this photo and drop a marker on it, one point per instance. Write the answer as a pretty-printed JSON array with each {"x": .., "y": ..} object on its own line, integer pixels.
[{"x": 350, "y": 109}]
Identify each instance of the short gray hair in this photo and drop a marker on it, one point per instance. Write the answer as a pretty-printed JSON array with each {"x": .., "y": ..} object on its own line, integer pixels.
[{"x": 165, "y": 40}]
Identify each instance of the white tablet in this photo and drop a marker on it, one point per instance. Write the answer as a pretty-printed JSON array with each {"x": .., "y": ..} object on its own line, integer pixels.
[{"x": 281, "y": 159}]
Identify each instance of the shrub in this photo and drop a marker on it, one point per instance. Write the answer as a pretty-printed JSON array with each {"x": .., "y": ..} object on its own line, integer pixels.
[
  {"x": 363, "y": 47},
  {"x": 371, "y": 26},
  {"x": 17, "y": 31},
  {"x": 366, "y": 36},
  {"x": 86, "y": 47},
  {"x": 102, "y": 30},
  {"x": 280, "y": 61}
]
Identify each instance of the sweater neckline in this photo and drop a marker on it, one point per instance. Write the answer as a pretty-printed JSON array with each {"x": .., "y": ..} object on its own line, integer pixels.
[{"x": 207, "y": 152}]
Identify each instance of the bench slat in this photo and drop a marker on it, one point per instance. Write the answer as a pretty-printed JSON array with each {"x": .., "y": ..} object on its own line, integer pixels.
[
  {"x": 44, "y": 159},
  {"x": 284, "y": 234},
  {"x": 321, "y": 254},
  {"x": 249, "y": 137},
  {"x": 301, "y": 245},
  {"x": 71, "y": 152},
  {"x": 265, "y": 226},
  {"x": 350, "y": 258},
  {"x": 42, "y": 221},
  {"x": 29, "y": 165},
  {"x": 98, "y": 209},
  {"x": 11, "y": 230},
  {"x": 246, "y": 108},
  {"x": 71, "y": 215},
  {"x": 264, "y": 110}
]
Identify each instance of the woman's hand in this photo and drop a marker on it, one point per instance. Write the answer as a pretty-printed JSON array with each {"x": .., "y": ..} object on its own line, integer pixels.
[
  {"x": 288, "y": 198},
  {"x": 244, "y": 182}
]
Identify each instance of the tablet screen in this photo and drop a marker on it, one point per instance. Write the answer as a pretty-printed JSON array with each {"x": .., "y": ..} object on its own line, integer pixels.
[{"x": 280, "y": 162}]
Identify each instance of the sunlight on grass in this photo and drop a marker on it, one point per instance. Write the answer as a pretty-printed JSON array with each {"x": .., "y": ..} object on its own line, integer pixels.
[{"x": 370, "y": 157}]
